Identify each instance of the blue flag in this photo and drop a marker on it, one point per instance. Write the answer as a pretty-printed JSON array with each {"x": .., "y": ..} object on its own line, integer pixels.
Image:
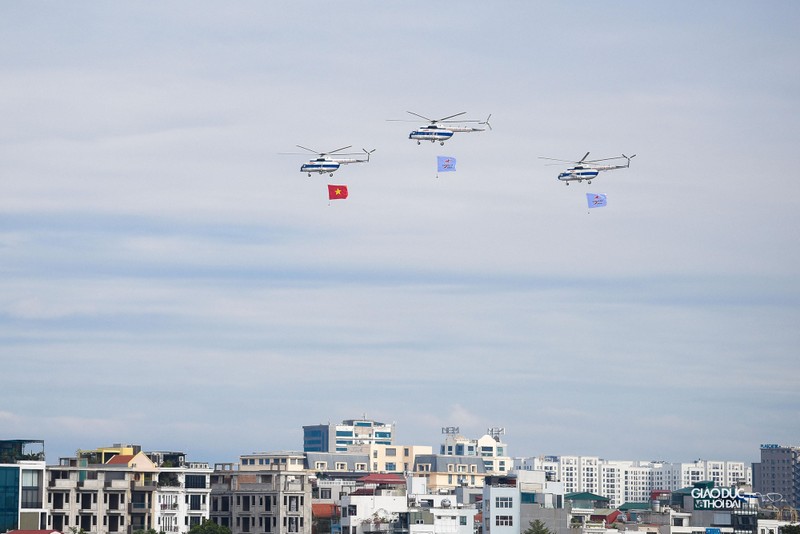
[
  {"x": 596, "y": 200},
  {"x": 445, "y": 163}
]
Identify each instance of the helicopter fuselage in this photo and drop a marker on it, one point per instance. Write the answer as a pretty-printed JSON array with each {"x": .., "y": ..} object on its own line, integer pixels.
[
  {"x": 431, "y": 133},
  {"x": 578, "y": 174},
  {"x": 320, "y": 166}
]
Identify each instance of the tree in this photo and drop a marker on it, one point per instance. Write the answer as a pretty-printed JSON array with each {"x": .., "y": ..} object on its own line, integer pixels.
[
  {"x": 790, "y": 529},
  {"x": 537, "y": 527},
  {"x": 209, "y": 527}
]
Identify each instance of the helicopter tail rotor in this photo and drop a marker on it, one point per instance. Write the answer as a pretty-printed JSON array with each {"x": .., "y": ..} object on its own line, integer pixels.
[
  {"x": 486, "y": 122},
  {"x": 629, "y": 159},
  {"x": 368, "y": 152}
]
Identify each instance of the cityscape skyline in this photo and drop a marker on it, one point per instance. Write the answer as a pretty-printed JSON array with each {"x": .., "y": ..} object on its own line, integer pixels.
[
  {"x": 53, "y": 456},
  {"x": 170, "y": 277}
]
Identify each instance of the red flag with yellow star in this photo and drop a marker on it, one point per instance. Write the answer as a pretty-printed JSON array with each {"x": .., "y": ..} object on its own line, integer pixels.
[{"x": 337, "y": 191}]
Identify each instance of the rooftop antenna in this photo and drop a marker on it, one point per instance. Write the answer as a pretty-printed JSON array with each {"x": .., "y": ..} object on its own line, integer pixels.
[
  {"x": 496, "y": 432},
  {"x": 450, "y": 430}
]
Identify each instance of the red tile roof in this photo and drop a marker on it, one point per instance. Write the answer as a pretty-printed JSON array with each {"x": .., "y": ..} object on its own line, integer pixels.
[{"x": 123, "y": 459}]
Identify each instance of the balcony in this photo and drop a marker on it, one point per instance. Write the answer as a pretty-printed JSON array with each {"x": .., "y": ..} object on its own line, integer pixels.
[
  {"x": 91, "y": 484},
  {"x": 256, "y": 486}
]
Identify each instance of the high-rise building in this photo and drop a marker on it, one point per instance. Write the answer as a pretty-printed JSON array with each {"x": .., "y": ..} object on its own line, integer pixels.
[
  {"x": 778, "y": 474},
  {"x": 346, "y": 435}
]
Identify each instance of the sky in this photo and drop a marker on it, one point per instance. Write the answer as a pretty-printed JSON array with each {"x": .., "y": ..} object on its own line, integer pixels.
[{"x": 169, "y": 278}]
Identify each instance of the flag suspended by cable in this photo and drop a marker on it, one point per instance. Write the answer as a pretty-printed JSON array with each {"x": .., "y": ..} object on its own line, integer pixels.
[
  {"x": 337, "y": 192},
  {"x": 445, "y": 164},
  {"x": 596, "y": 200}
]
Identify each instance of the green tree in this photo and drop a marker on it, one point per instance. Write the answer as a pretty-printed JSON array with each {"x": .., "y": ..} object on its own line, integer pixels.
[
  {"x": 148, "y": 531},
  {"x": 537, "y": 527},
  {"x": 790, "y": 529},
  {"x": 209, "y": 527}
]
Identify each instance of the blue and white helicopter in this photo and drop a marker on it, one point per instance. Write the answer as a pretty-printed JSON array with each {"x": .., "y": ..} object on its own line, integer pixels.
[
  {"x": 443, "y": 129},
  {"x": 585, "y": 169},
  {"x": 325, "y": 164}
]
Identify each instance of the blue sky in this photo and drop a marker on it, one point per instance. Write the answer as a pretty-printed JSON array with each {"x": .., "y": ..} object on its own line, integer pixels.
[{"x": 170, "y": 279}]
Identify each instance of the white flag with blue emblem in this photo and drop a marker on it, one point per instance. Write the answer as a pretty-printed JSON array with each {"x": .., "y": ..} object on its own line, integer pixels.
[
  {"x": 596, "y": 200},
  {"x": 445, "y": 163}
]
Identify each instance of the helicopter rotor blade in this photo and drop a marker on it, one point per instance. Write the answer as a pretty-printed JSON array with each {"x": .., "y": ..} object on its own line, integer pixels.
[
  {"x": 450, "y": 117},
  {"x": 606, "y": 159},
  {"x": 338, "y": 149},
  {"x": 583, "y": 159},
  {"x": 561, "y": 160},
  {"x": 420, "y": 116},
  {"x": 310, "y": 150}
]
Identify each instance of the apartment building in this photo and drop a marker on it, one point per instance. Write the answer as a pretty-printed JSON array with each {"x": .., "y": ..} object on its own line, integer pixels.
[
  {"x": 344, "y": 436},
  {"x": 22, "y": 476},
  {"x": 266, "y": 493},
  {"x": 443, "y": 473},
  {"x": 778, "y": 474},
  {"x": 488, "y": 447},
  {"x": 623, "y": 481},
  {"x": 395, "y": 458},
  {"x": 128, "y": 492},
  {"x": 385, "y": 503}
]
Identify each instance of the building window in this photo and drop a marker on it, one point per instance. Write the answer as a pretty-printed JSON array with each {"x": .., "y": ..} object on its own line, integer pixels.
[
  {"x": 503, "y": 502},
  {"x": 504, "y": 521},
  {"x": 391, "y": 452}
]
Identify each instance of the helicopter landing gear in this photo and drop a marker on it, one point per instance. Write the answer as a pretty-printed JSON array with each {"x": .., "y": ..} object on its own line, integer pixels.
[
  {"x": 441, "y": 143},
  {"x": 309, "y": 175},
  {"x": 331, "y": 175},
  {"x": 567, "y": 183},
  {"x": 588, "y": 181},
  {"x": 419, "y": 142}
]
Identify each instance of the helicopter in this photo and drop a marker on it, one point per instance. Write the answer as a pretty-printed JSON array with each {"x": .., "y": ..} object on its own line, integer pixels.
[
  {"x": 433, "y": 132},
  {"x": 588, "y": 169},
  {"x": 325, "y": 164}
]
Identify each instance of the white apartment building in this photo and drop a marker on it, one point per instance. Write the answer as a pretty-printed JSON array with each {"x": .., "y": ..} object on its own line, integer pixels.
[
  {"x": 501, "y": 510},
  {"x": 489, "y": 448},
  {"x": 674, "y": 476},
  {"x": 183, "y": 497},
  {"x": 389, "y": 506},
  {"x": 624, "y": 481}
]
